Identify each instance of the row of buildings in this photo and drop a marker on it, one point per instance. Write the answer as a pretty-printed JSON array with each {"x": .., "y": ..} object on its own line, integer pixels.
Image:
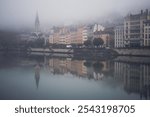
[
  {"x": 79, "y": 34},
  {"x": 134, "y": 32},
  {"x": 69, "y": 35}
]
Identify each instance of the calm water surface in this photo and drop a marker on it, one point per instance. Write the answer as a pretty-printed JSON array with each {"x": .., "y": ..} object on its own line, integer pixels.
[{"x": 41, "y": 77}]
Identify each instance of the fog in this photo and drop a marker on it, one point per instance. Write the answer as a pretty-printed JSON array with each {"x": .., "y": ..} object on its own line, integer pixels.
[{"x": 21, "y": 13}]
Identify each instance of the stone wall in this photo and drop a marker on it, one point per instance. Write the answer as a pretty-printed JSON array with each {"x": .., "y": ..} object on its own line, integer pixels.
[{"x": 133, "y": 52}]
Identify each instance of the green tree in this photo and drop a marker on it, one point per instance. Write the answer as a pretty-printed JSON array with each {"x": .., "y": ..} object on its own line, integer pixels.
[{"x": 97, "y": 42}]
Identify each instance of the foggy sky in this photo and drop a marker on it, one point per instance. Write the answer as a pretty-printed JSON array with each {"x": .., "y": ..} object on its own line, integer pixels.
[{"x": 21, "y": 13}]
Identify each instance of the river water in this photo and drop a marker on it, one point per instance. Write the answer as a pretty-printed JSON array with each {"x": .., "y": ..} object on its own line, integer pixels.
[{"x": 49, "y": 78}]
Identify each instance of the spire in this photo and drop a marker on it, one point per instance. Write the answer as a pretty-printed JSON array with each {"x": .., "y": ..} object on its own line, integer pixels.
[{"x": 37, "y": 23}]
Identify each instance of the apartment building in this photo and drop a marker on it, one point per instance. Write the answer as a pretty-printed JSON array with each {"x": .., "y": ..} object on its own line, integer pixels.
[
  {"x": 77, "y": 36},
  {"x": 134, "y": 29},
  {"x": 66, "y": 35}
]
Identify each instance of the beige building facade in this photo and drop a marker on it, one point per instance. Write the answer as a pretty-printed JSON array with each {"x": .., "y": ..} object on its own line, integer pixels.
[
  {"x": 119, "y": 36},
  {"x": 106, "y": 37},
  {"x": 66, "y": 36}
]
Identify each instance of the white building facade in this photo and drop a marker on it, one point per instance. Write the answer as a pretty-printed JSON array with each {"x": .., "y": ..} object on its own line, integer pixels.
[
  {"x": 147, "y": 33},
  {"x": 119, "y": 36}
]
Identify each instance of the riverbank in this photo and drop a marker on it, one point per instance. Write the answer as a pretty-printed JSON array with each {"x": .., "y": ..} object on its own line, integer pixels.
[
  {"x": 133, "y": 52},
  {"x": 76, "y": 51},
  {"x": 87, "y": 52},
  {"x": 133, "y": 59},
  {"x": 98, "y": 52}
]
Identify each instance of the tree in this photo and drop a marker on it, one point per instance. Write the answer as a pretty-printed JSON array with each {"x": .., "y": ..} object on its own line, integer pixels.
[
  {"x": 87, "y": 43},
  {"x": 97, "y": 42}
]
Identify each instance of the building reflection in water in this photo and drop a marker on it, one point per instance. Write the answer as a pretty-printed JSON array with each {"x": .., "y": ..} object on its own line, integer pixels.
[
  {"x": 37, "y": 75},
  {"x": 135, "y": 77},
  {"x": 79, "y": 68}
]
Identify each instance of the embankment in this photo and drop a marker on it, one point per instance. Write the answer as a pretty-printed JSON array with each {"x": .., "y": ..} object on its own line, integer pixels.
[{"x": 133, "y": 52}]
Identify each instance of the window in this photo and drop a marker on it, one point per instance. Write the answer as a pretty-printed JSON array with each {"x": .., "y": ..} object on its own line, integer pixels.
[
  {"x": 145, "y": 30},
  {"x": 145, "y": 36}
]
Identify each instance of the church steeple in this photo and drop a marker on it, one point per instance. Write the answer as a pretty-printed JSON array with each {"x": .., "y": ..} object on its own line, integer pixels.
[{"x": 37, "y": 23}]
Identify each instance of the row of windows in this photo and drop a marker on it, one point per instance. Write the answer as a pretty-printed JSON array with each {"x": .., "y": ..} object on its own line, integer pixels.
[
  {"x": 119, "y": 43},
  {"x": 133, "y": 27},
  {"x": 119, "y": 37},
  {"x": 147, "y": 36},
  {"x": 147, "y": 24},
  {"x": 119, "y": 31},
  {"x": 118, "y": 34},
  {"x": 134, "y": 31},
  {"x": 147, "y": 30}
]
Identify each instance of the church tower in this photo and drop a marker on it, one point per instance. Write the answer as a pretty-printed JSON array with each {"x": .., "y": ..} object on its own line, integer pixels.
[{"x": 37, "y": 23}]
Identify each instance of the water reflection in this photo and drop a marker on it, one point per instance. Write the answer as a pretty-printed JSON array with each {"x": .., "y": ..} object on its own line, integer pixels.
[
  {"x": 69, "y": 78},
  {"x": 37, "y": 75},
  {"x": 135, "y": 77},
  {"x": 79, "y": 68}
]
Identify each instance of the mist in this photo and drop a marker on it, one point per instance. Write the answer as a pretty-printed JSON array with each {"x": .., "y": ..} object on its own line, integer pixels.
[{"x": 16, "y": 14}]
